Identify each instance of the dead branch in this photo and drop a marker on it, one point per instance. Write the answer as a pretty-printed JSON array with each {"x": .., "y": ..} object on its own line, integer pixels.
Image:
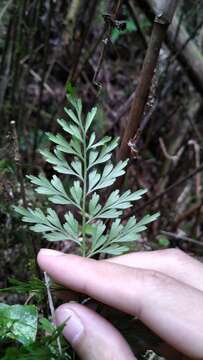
[
  {"x": 181, "y": 238},
  {"x": 142, "y": 91},
  {"x": 190, "y": 56}
]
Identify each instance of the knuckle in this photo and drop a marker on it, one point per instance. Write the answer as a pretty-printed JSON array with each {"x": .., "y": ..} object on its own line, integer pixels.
[
  {"x": 155, "y": 281},
  {"x": 154, "y": 276},
  {"x": 151, "y": 282},
  {"x": 177, "y": 254},
  {"x": 174, "y": 255}
]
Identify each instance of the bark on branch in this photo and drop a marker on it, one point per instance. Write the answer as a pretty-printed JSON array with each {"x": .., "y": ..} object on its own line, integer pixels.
[
  {"x": 161, "y": 22},
  {"x": 164, "y": 10},
  {"x": 189, "y": 56}
]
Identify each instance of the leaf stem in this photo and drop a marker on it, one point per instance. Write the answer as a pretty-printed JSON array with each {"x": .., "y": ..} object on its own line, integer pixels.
[{"x": 84, "y": 193}]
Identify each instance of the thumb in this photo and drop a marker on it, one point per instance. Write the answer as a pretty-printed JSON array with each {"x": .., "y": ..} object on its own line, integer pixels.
[{"x": 91, "y": 336}]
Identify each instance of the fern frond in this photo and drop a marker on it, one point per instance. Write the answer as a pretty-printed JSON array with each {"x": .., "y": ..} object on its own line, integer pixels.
[
  {"x": 50, "y": 225},
  {"x": 92, "y": 170}
]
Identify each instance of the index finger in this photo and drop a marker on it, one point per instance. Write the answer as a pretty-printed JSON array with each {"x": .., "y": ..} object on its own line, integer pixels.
[{"x": 170, "y": 308}]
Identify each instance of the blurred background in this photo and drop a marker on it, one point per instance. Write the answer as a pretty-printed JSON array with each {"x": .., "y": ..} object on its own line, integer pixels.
[{"x": 49, "y": 47}]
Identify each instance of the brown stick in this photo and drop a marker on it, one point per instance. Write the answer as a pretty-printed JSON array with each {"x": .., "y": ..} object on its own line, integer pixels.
[
  {"x": 165, "y": 11},
  {"x": 181, "y": 238},
  {"x": 142, "y": 92}
]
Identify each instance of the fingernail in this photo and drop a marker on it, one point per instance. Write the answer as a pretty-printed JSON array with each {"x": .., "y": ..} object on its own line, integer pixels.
[
  {"x": 50, "y": 252},
  {"x": 73, "y": 326}
]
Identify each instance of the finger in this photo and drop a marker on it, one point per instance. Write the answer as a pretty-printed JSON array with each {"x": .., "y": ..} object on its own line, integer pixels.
[
  {"x": 172, "y": 262},
  {"x": 170, "y": 308},
  {"x": 91, "y": 336}
]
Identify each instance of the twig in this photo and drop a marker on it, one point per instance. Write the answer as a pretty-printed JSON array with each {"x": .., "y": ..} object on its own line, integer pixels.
[
  {"x": 198, "y": 186},
  {"x": 51, "y": 307},
  {"x": 187, "y": 214},
  {"x": 5, "y": 8},
  {"x": 92, "y": 50},
  {"x": 37, "y": 77},
  {"x": 17, "y": 159},
  {"x": 197, "y": 163},
  {"x": 195, "y": 128},
  {"x": 109, "y": 23},
  {"x": 173, "y": 158},
  {"x": 190, "y": 38},
  {"x": 171, "y": 187},
  {"x": 181, "y": 237}
]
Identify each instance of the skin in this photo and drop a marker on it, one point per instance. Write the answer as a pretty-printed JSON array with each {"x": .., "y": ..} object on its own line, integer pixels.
[{"x": 164, "y": 289}]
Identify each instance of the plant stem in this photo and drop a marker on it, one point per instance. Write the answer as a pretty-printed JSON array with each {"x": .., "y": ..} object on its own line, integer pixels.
[
  {"x": 51, "y": 307},
  {"x": 84, "y": 194}
]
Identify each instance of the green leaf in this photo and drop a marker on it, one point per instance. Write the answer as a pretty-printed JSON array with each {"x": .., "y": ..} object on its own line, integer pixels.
[
  {"x": 91, "y": 140},
  {"x": 101, "y": 142},
  {"x": 97, "y": 238},
  {"x": 71, "y": 129},
  {"x": 71, "y": 226},
  {"x": 40, "y": 228},
  {"x": 92, "y": 157},
  {"x": 119, "y": 202},
  {"x": 77, "y": 167},
  {"x": 33, "y": 285},
  {"x": 115, "y": 230},
  {"x": 76, "y": 192},
  {"x": 53, "y": 218},
  {"x": 56, "y": 236},
  {"x": 70, "y": 90},
  {"x": 47, "y": 326},
  {"x": 61, "y": 165},
  {"x": 147, "y": 219},
  {"x": 109, "y": 214},
  {"x": 163, "y": 241},
  {"x": 73, "y": 117},
  {"x": 94, "y": 206},
  {"x": 93, "y": 179},
  {"x": 62, "y": 144},
  {"x": 90, "y": 117},
  {"x": 108, "y": 177},
  {"x": 58, "y": 185},
  {"x": 54, "y": 189},
  {"x": 18, "y": 322},
  {"x": 105, "y": 153},
  {"x": 77, "y": 147},
  {"x": 49, "y": 225},
  {"x": 31, "y": 216},
  {"x": 76, "y": 103},
  {"x": 115, "y": 250}
]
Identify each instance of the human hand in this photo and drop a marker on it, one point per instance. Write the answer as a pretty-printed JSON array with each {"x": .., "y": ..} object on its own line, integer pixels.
[{"x": 164, "y": 289}]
